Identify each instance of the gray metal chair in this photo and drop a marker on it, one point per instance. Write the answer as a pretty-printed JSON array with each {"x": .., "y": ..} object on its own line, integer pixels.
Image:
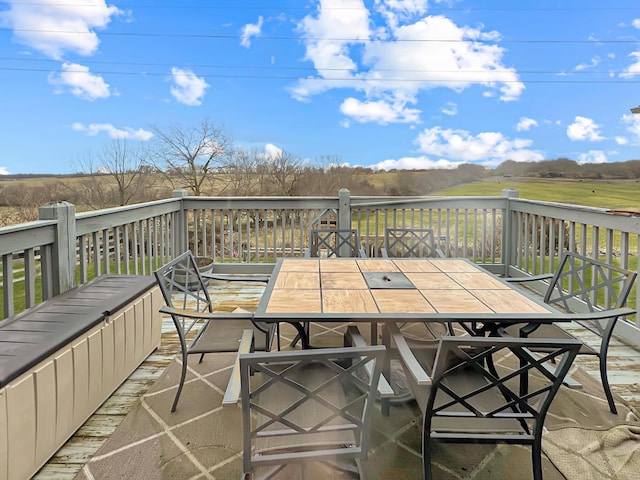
[
  {"x": 410, "y": 242},
  {"x": 595, "y": 292},
  {"x": 335, "y": 243},
  {"x": 301, "y": 407},
  {"x": 189, "y": 304},
  {"x": 466, "y": 397}
]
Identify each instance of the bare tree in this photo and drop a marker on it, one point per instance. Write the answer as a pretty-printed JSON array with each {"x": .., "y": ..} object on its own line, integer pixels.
[
  {"x": 241, "y": 174},
  {"x": 329, "y": 173},
  {"x": 285, "y": 171},
  {"x": 190, "y": 157},
  {"x": 118, "y": 175}
]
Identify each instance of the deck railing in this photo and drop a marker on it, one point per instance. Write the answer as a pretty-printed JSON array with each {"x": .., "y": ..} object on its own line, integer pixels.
[{"x": 505, "y": 234}]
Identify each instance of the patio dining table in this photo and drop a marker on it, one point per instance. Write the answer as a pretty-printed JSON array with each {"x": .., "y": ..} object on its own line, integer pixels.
[{"x": 379, "y": 290}]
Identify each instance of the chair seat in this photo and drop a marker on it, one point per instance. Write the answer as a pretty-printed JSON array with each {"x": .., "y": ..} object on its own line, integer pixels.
[
  {"x": 225, "y": 336},
  {"x": 551, "y": 331},
  {"x": 461, "y": 383}
]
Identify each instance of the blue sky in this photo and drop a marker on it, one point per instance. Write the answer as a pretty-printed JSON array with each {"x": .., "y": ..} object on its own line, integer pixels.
[{"x": 381, "y": 83}]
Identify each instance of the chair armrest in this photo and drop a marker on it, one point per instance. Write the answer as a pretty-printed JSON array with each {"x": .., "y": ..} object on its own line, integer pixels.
[
  {"x": 411, "y": 364},
  {"x": 440, "y": 253},
  {"x": 355, "y": 338},
  {"x": 384, "y": 253},
  {"x": 206, "y": 315},
  {"x": 362, "y": 253},
  {"x": 236, "y": 278},
  {"x": 232, "y": 393},
  {"x": 533, "y": 278},
  {"x": 601, "y": 314}
]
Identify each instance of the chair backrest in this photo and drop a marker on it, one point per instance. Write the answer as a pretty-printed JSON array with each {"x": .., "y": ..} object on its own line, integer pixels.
[
  {"x": 183, "y": 287},
  {"x": 582, "y": 284},
  {"x": 410, "y": 242},
  {"x": 336, "y": 243},
  {"x": 305, "y": 405},
  {"x": 472, "y": 393}
]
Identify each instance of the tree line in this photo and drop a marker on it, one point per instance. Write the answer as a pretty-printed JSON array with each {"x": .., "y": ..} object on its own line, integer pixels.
[{"x": 203, "y": 160}]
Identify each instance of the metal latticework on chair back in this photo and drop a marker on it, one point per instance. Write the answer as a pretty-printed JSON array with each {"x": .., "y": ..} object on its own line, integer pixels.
[
  {"x": 308, "y": 406},
  {"x": 335, "y": 243},
  {"x": 410, "y": 242},
  {"x": 582, "y": 284},
  {"x": 183, "y": 288}
]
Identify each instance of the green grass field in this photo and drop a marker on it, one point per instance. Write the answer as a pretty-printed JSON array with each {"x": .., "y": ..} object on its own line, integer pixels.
[{"x": 614, "y": 194}]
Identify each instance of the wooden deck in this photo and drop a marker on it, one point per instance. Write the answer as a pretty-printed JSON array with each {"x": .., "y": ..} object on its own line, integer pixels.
[{"x": 624, "y": 365}]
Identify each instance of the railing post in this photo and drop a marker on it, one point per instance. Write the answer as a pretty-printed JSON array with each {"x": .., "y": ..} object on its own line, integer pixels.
[
  {"x": 508, "y": 237},
  {"x": 180, "y": 225},
  {"x": 344, "y": 217},
  {"x": 62, "y": 261}
]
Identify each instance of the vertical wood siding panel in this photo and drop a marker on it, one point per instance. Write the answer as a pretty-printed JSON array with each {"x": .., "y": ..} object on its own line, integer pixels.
[
  {"x": 108, "y": 358},
  {"x": 45, "y": 388},
  {"x": 4, "y": 453},
  {"x": 94, "y": 343},
  {"x": 21, "y": 427},
  {"x": 80, "y": 381},
  {"x": 64, "y": 394}
]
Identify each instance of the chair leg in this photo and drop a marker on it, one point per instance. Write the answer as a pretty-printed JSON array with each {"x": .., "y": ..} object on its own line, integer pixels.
[
  {"x": 278, "y": 334},
  {"x": 426, "y": 458},
  {"x": 183, "y": 373},
  {"x": 536, "y": 458},
  {"x": 605, "y": 384}
]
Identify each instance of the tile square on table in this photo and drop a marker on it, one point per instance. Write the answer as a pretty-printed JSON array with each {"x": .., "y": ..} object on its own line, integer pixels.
[
  {"x": 401, "y": 301},
  {"x": 438, "y": 281},
  {"x": 352, "y": 280},
  {"x": 455, "y": 301},
  {"x": 297, "y": 280},
  {"x": 348, "y": 301},
  {"x": 294, "y": 301}
]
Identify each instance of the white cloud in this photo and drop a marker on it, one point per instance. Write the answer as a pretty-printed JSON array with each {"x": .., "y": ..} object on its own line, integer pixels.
[
  {"x": 593, "y": 156},
  {"x": 394, "y": 62},
  {"x": 636, "y": 23},
  {"x": 634, "y": 68},
  {"x": 271, "y": 151},
  {"x": 622, "y": 140},
  {"x": 251, "y": 30},
  {"x": 94, "y": 129},
  {"x": 415, "y": 163},
  {"x": 53, "y": 27},
  {"x": 380, "y": 111},
  {"x": 450, "y": 109},
  {"x": 595, "y": 61},
  {"x": 188, "y": 88},
  {"x": 80, "y": 82},
  {"x": 4, "y": 171},
  {"x": 584, "y": 129},
  {"x": 525, "y": 124},
  {"x": 633, "y": 122},
  {"x": 485, "y": 148}
]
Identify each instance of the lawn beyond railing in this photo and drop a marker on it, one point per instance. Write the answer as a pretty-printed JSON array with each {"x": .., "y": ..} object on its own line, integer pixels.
[{"x": 505, "y": 234}]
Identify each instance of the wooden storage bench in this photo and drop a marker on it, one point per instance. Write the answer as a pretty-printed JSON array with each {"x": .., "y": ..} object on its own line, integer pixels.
[{"x": 60, "y": 360}]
